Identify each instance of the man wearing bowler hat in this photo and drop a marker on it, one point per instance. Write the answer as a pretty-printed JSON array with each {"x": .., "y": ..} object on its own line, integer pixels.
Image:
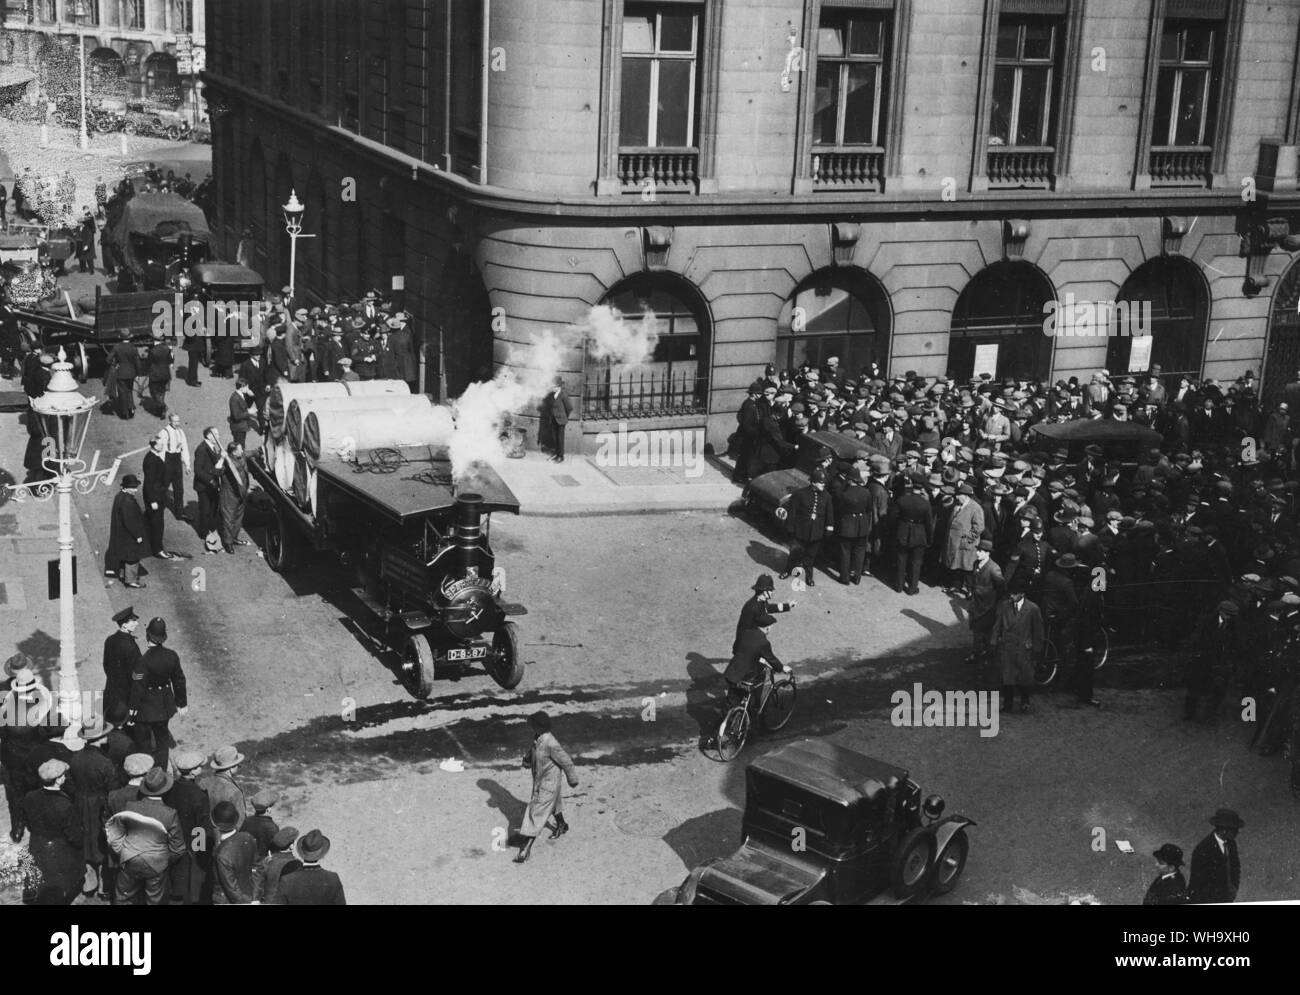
[
  {"x": 760, "y": 604},
  {"x": 1217, "y": 648},
  {"x": 126, "y": 535},
  {"x": 1216, "y": 867},
  {"x": 121, "y": 654},
  {"x": 1169, "y": 887},
  {"x": 146, "y": 836},
  {"x": 157, "y": 693},
  {"x": 311, "y": 884}
]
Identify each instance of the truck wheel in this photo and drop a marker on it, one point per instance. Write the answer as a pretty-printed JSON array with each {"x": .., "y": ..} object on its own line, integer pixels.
[
  {"x": 914, "y": 857},
  {"x": 951, "y": 863},
  {"x": 417, "y": 666},
  {"x": 504, "y": 664},
  {"x": 281, "y": 544},
  {"x": 173, "y": 133}
]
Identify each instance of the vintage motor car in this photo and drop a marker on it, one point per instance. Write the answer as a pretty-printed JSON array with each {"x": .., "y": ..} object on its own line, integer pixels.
[
  {"x": 1123, "y": 442},
  {"x": 770, "y": 491},
  {"x": 827, "y": 825}
]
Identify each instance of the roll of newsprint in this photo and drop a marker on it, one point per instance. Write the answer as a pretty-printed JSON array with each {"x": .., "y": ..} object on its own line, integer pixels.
[
  {"x": 282, "y": 462},
  {"x": 277, "y": 403},
  {"x": 330, "y": 433},
  {"x": 304, "y": 483},
  {"x": 369, "y": 388},
  {"x": 299, "y": 407}
]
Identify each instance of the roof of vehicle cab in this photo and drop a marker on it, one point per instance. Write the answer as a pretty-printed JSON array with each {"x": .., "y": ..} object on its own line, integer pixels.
[{"x": 831, "y": 771}]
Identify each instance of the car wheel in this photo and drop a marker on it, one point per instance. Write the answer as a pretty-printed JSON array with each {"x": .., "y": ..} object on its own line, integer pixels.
[
  {"x": 913, "y": 864},
  {"x": 281, "y": 550},
  {"x": 417, "y": 665},
  {"x": 951, "y": 863},
  {"x": 780, "y": 705},
  {"x": 504, "y": 664},
  {"x": 732, "y": 732}
]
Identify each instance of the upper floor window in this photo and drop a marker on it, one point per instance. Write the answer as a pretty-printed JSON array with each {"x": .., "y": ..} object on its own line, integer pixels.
[
  {"x": 660, "y": 46},
  {"x": 1025, "y": 62},
  {"x": 1184, "y": 111},
  {"x": 135, "y": 15},
  {"x": 186, "y": 8},
  {"x": 48, "y": 11},
  {"x": 850, "y": 78}
]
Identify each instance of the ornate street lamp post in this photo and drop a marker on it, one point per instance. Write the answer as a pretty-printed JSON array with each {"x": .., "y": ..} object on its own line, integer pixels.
[
  {"x": 64, "y": 418},
  {"x": 293, "y": 212},
  {"x": 79, "y": 14}
]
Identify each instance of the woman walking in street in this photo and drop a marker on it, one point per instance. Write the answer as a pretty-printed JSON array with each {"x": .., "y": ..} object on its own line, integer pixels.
[{"x": 547, "y": 759}]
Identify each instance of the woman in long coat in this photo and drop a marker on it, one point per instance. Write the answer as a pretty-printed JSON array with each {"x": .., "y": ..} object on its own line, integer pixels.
[
  {"x": 1017, "y": 644},
  {"x": 547, "y": 759}
]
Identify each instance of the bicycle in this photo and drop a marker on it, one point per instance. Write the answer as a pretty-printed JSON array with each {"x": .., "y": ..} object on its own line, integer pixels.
[
  {"x": 776, "y": 694},
  {"x": 1094, "y": 637}
]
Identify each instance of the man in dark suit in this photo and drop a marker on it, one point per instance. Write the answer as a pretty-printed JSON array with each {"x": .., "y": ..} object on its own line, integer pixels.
[
  {"x": 401, "y": 344},
  {"x": 17, "y": 741},
  {"x": 125, "y": 366},
  {"x": 259, "y": 825},
  {"x": 157, "y": 483},
  {"x": 560, "y": 409},
  {"x": 209, "y": 462},
  {"x": 234, "y": 860},
  {"x": 913, "y": 534},
  {"x": 853, "y": 520},
  {"x": 311, "y": 884},
  {"x": 1216, "y": 866},
  {"x": 160, "y": 375},
  {"x": 253, "y": 370},
  {"x": 190, "y": 874},
  {"x": 121, "y": 654},
  {"x": 987, "y": 588},
  {"x": 328, "y": 354},
  {"x": 279, "y": 864},
  {"x": 760, "y": 604},
  {"x": 157, "y": 693},
  {"x": 747, "y": 425},
  {"x": 126, "y": 535},
  {"x": 1217, "y": 649},
  {"x": 753, "y": 651},
  {"x": 56, "y": 843},
  {"x": 810, "y": 518}
]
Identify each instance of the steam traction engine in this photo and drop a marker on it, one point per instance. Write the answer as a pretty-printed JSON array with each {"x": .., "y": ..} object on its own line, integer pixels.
[{"x": 417, "y": 542}]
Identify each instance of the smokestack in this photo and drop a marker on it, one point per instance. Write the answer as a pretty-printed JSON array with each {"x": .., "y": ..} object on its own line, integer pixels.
[{"x": 469, "y": 512}]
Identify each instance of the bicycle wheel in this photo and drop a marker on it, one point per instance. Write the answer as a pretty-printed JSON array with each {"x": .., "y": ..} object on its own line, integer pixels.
[
  {"x": 732, "y": 732},
  {"x": 779, "y": 705},
  {"x": 1100, "y": 647},
  {"x": 1047, "y": 665}
]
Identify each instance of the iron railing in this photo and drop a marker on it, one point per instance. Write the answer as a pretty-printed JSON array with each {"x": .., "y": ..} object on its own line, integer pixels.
[
  {"x": 1183, "y": 166},
  {"x": 644, "y": 394},
  {"x": 671, "y": 170},
  {"x": 1019, "y": 167},
  {"x": 848, "y": 169}
]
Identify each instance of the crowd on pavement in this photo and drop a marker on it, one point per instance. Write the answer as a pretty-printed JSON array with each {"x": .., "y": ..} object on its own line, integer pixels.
[{"x": 1188, "y": 538}]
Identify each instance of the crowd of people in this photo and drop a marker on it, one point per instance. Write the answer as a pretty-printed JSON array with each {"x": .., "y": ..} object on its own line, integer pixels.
[
  {"x": 111, "y": 810},
  {"x": 1188, "y": 539}
]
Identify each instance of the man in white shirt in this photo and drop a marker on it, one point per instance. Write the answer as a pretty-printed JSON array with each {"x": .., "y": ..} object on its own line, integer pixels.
[{"x": 177, "y": 455}]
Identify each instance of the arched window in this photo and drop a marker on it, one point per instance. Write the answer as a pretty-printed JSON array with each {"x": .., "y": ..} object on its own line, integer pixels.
[
  {"x": 673, "y": 379},
  {"x": 1282, "y": 359},
  {"x": 997, "y": 324},
  {"x": 1179, "y": 311},
  {"x": 841, "y": 312}
]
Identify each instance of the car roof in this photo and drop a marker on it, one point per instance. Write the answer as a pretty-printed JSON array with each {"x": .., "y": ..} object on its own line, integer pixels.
[
  {"x": 845, "y": 447},
  {"x": 831, "y": 771},
  {"x": 220, "y": 274}
]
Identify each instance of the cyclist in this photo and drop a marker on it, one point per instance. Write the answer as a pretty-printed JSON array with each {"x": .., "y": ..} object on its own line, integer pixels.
[
  {"x": 753, "y": 655},
  {"x": 760, "y": 604}
]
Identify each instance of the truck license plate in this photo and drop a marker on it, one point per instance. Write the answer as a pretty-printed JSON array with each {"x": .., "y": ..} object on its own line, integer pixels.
[{"x": 473, "y": 653}]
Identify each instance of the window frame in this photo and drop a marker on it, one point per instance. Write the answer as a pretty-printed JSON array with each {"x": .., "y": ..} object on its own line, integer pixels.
[
  {"x": 1179, "y": 68},
  {"x": 134, "y": 23},
  {"x": 844, "y": 63},
  {"x": 1018, "y": 64},
  {"x": 657, "y": 57}
]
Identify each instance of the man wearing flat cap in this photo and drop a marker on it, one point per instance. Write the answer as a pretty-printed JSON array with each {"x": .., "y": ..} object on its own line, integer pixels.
[
  {"x": 121, "y": 654},
  {"x": 280, "y": 862},
  {"x": 157, "y": 693},
  {"x": 1216, "y": 866},
  {"x": 1169, "y": 887},
  {"x": 547, "y": 759},
  {"x": 1217, "y": 648},
  {"x": 760, "y": 603},
  {"x": 311, "y": 884},
  {"x": 191, "y": 874},
  {"x": 56, "y": 839},
  {"x": 259, "y": 825}
]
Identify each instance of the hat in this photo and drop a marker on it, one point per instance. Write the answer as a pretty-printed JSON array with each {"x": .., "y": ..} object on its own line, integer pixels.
[
  {"x": 188, "y": 760},
  {"x": 1226, "y": 818},
  {"x": 225, "y": 816},
  {"x": 156, "y": 783},
  {"x": 226, "y": 757},
  {"x": 98, "y": 730},
  {"x": 71, "y": 739},
  {"x": 286, "y": 291},
  {"x": 1170, "y": 854},
  {"x": 395, "y": 322},
  {"x": 300, "y": 313},
  {"x": 47, "y": 359},
  {"x": 986, "y": 545},
  {"x": 1067, "y": 561},
  {"x": 24, "y": 679},
  {"x": 313, "y": 846},
  {"x": 51, "y": 771},
  {"x": 764, "y": 583},
  {"x": 130, "y": 480},
  {"x": 137, "y": 764},
  {"x": 157, "y": 630},
  {"x": 1229, "y": 609},
  {"x": 264, "y": 799},
  {"x": 284, "y": 838},
  {"x": 540, "y": 721},
  {"x": 125, "y": 615},
  {"x": 818, "y": 476},
  {"x": 966, "y": 489}
]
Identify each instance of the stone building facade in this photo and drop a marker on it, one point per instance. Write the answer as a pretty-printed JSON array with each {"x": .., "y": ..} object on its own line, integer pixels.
[{"x": 909, "y": 183}]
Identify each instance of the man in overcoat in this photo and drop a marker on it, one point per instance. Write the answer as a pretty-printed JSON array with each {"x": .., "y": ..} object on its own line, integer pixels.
[
  {"x": 986, "y": 592},
  {"x": 1216, "y": 865},
  {"x": 964, "y": 530},
  {"x": 913, "y": 534},
  {"x": 547, "y": 760},
  {"x": 93, "y": 776},
  {"x": 1217, "y": 648},
  {"x": 1017, "y": 640},
  {"x": 810, "y": 518},
  {"x": 157, "y": 693},
  {"x": 854, "y": 522}
]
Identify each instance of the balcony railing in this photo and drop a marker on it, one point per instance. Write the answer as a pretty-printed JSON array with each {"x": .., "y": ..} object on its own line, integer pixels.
[
  {"x": 648, "y": 394},
  {"x": 671, "y": 170},
  {"x": 1181, "y": 166},
  {"x": 848, "y": 169},
  {"x": 1018, "y": 167}
]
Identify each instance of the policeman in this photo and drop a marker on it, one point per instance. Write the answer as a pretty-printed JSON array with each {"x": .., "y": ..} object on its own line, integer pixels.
[
  {"x": 1029, "y": 558},
  {"x": 760, "y": 604},
  {"x": 852, "y": 504},
  {"x": 121, "y": 654},
  {"x": 157, "y": 693},
  {"x": 810, "y": 518},
  {"x": 913, "y": 534}
]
